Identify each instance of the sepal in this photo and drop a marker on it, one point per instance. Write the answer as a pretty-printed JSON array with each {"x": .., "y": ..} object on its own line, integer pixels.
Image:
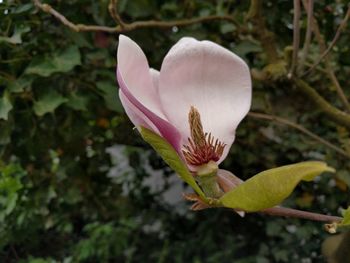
[{"x": 170, "y": 156}]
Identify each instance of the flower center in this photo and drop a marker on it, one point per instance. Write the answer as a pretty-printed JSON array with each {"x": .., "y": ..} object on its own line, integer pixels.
[{"x": 202, "y": 147}]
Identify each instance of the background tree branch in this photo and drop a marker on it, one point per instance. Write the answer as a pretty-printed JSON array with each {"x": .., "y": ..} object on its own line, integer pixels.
[
  {"x": 325, "y": 51},
  {"x": 308, "y": 34},
  {"x": 335, "y": 114},
  {"x": 296, "y": 36},
  {"x": 300, "y": 128},
  {"x": 125, "y": 27}
]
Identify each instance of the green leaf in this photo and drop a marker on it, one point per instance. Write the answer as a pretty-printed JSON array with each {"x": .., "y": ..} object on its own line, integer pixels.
[
  {"x": 346, "y": 218},
  {"x": 6, "y": 128},
  {"x": 271, "y": 187},
  {"x": 5, "y": 106},
  {"x": 245, "y": 47},
  {"x": 170, "y": 156},
  {"x": 109, "y": 92},
  {"x": 137, "y": 8},
  {"x": 18, "y": 85},
  {"x": 19, "y": 9},
  {"x": 48, "y": 102},
  {"x": 102, "y": 59},
  {"x": 62, "y": 61},
  {"x": 10, "y": 184},
  {"x": 16, "y": 38},
  {"x": 79, "y": 39},
  {"x": 77, "y": 102},
  {"x": 227, "y": 28}
]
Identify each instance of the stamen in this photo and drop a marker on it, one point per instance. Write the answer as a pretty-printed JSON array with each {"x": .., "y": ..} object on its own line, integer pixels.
[
  {"x": 201, "y": 148},
  {"x": 196, "y": 127}
]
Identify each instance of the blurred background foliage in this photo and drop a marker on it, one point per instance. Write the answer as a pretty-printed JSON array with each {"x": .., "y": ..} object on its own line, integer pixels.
[{"x": 77, "y": 183}]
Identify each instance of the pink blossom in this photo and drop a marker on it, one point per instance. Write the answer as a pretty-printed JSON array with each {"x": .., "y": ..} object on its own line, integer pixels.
[{"x": 196, "y": 100}]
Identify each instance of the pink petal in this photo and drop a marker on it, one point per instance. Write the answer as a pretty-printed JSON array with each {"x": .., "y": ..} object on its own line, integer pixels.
[
  {"x": 227, "y": 180},
  {"x": 140, "y": 114},
  {"x": 139, "y": 92},
  {"x": 135, "y": 115},
  {"x": 212, "y": 79},
  {"x": 134, "y": 68},
  {"x": 155, "y": 78}
]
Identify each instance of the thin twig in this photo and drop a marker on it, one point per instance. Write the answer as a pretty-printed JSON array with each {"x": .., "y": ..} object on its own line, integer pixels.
[
  {"x": 319, "y": 68},
  {"x": 113, "y": 11},
  {"x": 296, "y": 37},
  {"x": 329, "y": 69},
  {"x": 340, "y": 29},
  {"x": 124, "y": 27},
  {"x": 338, "y": 89},
  {"x": 294, "y": 213},
  {"x": 184, "y": 22},
  {"x": 300, "y": 128},
  {"x": 310, "y": 11}
]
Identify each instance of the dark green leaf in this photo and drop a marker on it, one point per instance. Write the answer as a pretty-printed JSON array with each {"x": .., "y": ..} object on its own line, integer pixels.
[
  {"x": 5, "y": 106},
  {"x": 48, "y": 102},
  {"x": 109, "y": 92},
  {"x": 62, "y": 61},
  {"x": 20, "y": 84},
  {"x": 77, "y": 102},
  {"x": 16, "y": 38},
  {"x": 346, "y": 218}
]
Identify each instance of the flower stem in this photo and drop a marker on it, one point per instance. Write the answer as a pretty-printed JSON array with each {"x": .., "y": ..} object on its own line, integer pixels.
[{"x": 294, "y": 213}]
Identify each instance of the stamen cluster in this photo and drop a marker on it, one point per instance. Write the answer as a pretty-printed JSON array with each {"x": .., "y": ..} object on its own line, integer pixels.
[{"x": 202, "y": 147}]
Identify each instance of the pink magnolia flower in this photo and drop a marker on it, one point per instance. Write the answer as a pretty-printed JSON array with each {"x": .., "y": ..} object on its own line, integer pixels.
[{"x": 196, "y": 100}]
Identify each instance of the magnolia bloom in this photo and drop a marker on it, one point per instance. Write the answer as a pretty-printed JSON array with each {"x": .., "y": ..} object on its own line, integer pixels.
[{"x": 196, "y": 100}]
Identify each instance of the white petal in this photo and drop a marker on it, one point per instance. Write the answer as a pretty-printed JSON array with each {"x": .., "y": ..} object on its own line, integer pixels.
[
  {"x": 135, "y": 71},
  {"x": 210, "y": 78}
]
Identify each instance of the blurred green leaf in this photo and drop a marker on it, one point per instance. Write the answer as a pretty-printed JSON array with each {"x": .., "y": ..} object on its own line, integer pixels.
[
  {"x": 346, "y": 218},
  {"x": 109, "y": 92},
  {"x": 77, "y": 102},
  {"x": 19, "y": 9},
  {"x": 137, "y": 8},
  {"x": 271, "y": 187},
  {"x": 10, "y": 184},
  {"x": 62, "y": 61},
  {"x": 16, "y": 38},
  {"x": 79, "y": 39},
  {"x": 5, "y": 132},
  {"x": 18, "y": 85},
  {"x": 5, "y": 106},
  {"x": 227, "y": 28},
  {"x": 246, "y": 47},
  {"x": 40, "y": 260},
  {"x": 48, "y": 102}
]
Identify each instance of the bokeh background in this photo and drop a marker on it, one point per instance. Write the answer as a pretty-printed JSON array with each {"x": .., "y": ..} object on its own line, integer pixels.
[{"x": 78, "y": 184}]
